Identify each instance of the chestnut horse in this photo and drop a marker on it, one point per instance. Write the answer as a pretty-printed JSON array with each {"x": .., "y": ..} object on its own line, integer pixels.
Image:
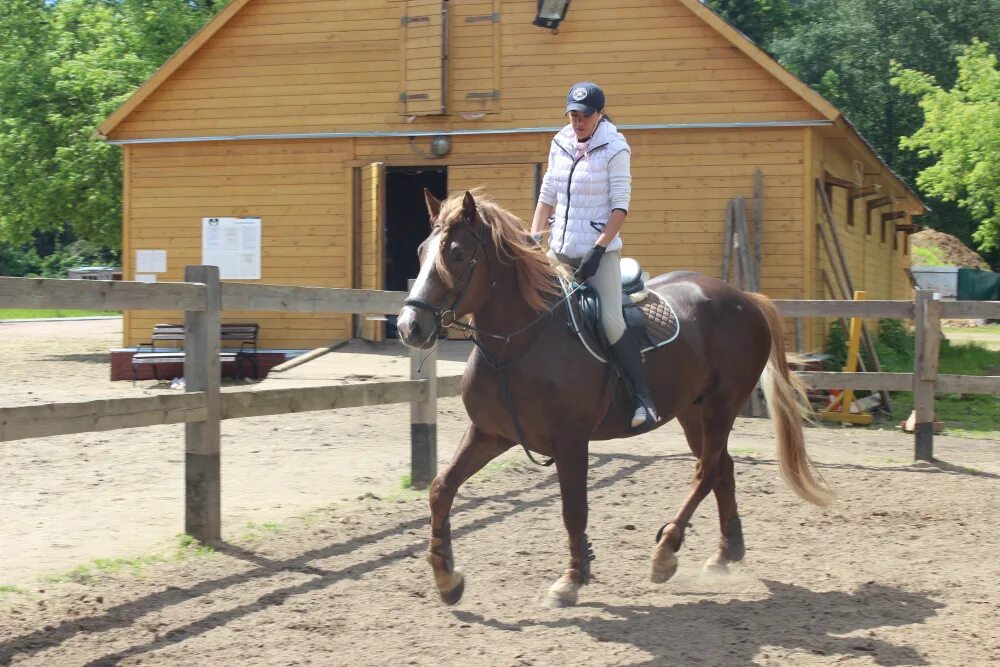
[{"x": 531, "y": 381}]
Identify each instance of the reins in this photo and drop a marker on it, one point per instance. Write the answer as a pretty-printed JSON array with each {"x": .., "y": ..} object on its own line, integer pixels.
[{"x": 446, "y": 319}]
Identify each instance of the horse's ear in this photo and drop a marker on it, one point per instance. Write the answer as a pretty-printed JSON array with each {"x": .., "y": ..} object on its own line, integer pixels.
[
  {"x": 469, "y": 207},
  {"x": 433, "y": 205}
]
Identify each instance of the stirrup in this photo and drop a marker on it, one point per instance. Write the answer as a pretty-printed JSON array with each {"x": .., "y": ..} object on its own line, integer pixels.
[{"x": 644, "y": 418}]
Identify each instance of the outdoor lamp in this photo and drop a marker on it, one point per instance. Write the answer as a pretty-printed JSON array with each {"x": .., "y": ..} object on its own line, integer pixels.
[
  {"x": 551, "y": 13},
  {"x": 441, "y": 145}
]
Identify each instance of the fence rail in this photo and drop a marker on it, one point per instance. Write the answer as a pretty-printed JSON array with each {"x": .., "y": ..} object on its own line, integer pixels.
[{"x": 203, "y": 297}]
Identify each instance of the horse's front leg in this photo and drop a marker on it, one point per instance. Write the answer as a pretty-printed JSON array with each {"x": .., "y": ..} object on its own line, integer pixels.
[
  {"x": 571, "y": 463},
  {"x": 475, "y": 451}
]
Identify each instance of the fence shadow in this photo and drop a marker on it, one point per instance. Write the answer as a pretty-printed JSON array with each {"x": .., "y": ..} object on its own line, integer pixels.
[
  {"x": 734, "y": 632},
  {"x": 125, "y": 614}
]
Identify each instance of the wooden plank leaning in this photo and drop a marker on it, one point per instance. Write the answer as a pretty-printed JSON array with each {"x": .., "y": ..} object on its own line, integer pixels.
[
  {"x": 202, "y": 463},
  {"x": 866, "y": 338}
]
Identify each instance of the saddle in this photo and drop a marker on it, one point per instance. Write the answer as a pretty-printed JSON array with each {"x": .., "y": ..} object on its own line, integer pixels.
[{"x": 648, "y": 316}]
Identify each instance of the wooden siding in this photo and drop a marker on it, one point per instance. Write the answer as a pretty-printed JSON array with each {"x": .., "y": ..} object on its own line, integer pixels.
[
  {"x": 510, "y": 185},
  {"x": 681, "y": 183},
  {"x": 876, "y": 266},
  {"x": 298, "y": 189},
  {"x": 283, "y": 66}
]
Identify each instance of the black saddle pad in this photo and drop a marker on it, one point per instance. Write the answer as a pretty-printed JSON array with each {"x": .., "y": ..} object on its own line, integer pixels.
[{"x": 659, "y": 324}]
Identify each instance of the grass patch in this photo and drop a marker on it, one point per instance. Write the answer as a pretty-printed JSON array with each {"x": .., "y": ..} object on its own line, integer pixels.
[
  {"x": 972, "y": 415},
  {"x": 6, "y": 589},
  {"x": 254, "y": 531},
  {"x": 928, "y": 256},
  {"x": 32, "y": 313},
  {"x": 187, "y": 547},
  {"x": 975, "y": 415}
]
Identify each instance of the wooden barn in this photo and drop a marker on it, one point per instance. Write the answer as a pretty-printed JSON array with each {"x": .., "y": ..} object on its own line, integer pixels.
[{"x": 290, "y": 140}]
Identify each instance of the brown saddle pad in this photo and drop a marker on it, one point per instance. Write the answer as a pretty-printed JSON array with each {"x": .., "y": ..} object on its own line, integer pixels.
[{"x": 662, "y": 326}]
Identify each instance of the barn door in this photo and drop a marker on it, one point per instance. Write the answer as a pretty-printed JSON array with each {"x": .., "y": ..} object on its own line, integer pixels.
[
  {"x": 424, "y": 40},
  {"x": 372, "y": 200}
]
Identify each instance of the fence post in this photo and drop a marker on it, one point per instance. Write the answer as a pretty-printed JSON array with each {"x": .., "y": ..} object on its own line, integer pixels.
[
  {"x": 423, "y": 419},
  {"x": 202, "y": 481},
  {"x": 927, "y": 318}
]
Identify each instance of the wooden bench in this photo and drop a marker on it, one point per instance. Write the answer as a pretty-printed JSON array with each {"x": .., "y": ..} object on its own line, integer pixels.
[{"x": 150, "y": 354}]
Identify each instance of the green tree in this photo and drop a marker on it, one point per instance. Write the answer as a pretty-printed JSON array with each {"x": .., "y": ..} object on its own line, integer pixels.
[
  {"x": 760, "y": 20},
  {"x": 65, "y": 65},
  {"x": 846, "y": 49},
  {"x": 961, "y": 131}
]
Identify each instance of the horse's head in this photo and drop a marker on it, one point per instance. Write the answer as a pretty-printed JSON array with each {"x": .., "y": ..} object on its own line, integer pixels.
[{"x": 453, "y": 280}]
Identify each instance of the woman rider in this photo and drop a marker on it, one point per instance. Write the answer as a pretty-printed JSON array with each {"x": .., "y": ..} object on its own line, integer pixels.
[{"x": 584, "y": 197}]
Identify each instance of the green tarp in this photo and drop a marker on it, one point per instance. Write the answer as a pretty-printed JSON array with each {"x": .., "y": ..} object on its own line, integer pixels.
[{"x": 976, "y": 285}]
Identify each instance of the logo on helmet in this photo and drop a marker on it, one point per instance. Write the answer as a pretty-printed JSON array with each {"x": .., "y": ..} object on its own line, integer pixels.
[{"x": 579, "y": 94}]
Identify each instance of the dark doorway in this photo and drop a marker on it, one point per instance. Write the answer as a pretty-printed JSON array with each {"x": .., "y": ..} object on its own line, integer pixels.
[{"x": 407, "y": 224}]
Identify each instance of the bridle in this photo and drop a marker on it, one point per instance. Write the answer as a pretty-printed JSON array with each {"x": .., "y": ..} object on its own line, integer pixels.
[{"x": 445, "y": 317}]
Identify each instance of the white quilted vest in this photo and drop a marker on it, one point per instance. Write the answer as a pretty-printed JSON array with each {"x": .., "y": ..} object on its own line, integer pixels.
[{"x": 583, "y": 196}]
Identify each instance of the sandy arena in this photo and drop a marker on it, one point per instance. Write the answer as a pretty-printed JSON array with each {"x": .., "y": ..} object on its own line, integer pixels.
[{"x": 323, "y": 562}]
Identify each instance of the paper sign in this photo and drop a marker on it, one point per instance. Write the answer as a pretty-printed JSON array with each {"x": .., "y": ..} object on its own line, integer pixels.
[
  {"x": 145, "y": 277},
  {"x": 151, "y": 261},
  {"x": 233, "y": 245}
]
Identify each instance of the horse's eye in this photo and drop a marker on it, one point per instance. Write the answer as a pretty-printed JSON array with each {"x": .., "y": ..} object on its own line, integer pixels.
[{"x": 456, "y": 252}]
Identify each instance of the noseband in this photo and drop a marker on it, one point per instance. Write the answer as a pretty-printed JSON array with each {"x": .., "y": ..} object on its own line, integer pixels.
[{"x": 445, "y": 317}]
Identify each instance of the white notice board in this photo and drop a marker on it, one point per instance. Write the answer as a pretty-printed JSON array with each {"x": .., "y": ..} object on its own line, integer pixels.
[{"x": 233, "y": 245}]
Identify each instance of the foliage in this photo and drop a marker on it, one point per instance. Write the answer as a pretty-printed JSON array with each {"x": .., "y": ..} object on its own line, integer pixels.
[
  {"x": 962, "y": 131},
  {"x": 835, "y": 348},
  {"x": 927, "y": 256},
  {"x": 846, "y": 49},
  {"x": 760, "y": 20},
  {"x": 894, "y": 345},
  {"x": 65, "y": 65},
  {"x": 55, "y": 258}
]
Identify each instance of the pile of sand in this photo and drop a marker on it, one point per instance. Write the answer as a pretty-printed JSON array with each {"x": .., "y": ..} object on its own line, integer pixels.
[{"x": 949, "y": 249}]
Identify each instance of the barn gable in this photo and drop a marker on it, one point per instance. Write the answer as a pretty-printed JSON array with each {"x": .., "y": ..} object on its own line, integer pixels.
[{"x": 266, "y": 67}]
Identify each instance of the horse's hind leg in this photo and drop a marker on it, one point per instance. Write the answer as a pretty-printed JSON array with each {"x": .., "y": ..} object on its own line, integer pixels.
[
  {"x": 475, "y": 451},
  {"x": 707, "y": 429},
  {"x": 731, "y": 545}
]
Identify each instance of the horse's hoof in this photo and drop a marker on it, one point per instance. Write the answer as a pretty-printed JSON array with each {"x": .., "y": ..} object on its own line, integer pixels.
[
  {"x": 455, "y": 594},
  {"x": 716, "y": 565},
  {"x": 664, "y": 564},
  {"x": 564, "y": 593}
]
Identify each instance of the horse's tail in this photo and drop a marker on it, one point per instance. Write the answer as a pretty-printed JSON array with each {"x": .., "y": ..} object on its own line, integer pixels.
[{"x": 788, "y": 404}]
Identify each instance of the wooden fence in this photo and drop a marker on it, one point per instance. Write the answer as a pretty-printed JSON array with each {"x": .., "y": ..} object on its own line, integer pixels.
[
  {"x": 203, "y": 406},
  {"x": 926, "y": 311},
  {"x": 203, "y": 297}
]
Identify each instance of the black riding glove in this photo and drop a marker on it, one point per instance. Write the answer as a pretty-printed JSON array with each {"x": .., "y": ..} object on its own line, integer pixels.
[{"x": 592, "y": 260}]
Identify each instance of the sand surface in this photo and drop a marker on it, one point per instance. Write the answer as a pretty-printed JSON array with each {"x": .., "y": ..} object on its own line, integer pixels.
[{"x": 901, "y": 571}]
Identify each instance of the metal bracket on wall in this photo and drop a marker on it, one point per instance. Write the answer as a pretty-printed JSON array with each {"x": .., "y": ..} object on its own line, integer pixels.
[
  {"x": 407, "y": 20},
  {"x": 487, "y": 18},
  {"x": 406, "y": 97},
  {"x": 491, "y": 95}
]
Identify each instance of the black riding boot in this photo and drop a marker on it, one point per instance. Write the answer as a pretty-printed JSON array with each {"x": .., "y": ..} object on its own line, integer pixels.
[{"x": 628, "y": 358}]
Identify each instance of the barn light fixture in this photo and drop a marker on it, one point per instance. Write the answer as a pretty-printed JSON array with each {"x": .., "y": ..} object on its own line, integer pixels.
[
  {"x": 441, "y": 145},
  {"x": 551, "y": 13}
]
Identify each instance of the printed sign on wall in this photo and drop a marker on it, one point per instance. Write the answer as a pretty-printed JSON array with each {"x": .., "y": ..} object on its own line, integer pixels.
[{"x": 233, "y": 245}]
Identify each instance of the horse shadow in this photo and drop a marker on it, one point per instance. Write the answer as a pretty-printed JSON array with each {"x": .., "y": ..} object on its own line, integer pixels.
[{"x": 735, "y": 632}]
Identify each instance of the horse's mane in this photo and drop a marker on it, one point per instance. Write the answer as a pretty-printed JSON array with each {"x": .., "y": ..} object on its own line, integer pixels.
[{"x": 536, "y": 278}]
